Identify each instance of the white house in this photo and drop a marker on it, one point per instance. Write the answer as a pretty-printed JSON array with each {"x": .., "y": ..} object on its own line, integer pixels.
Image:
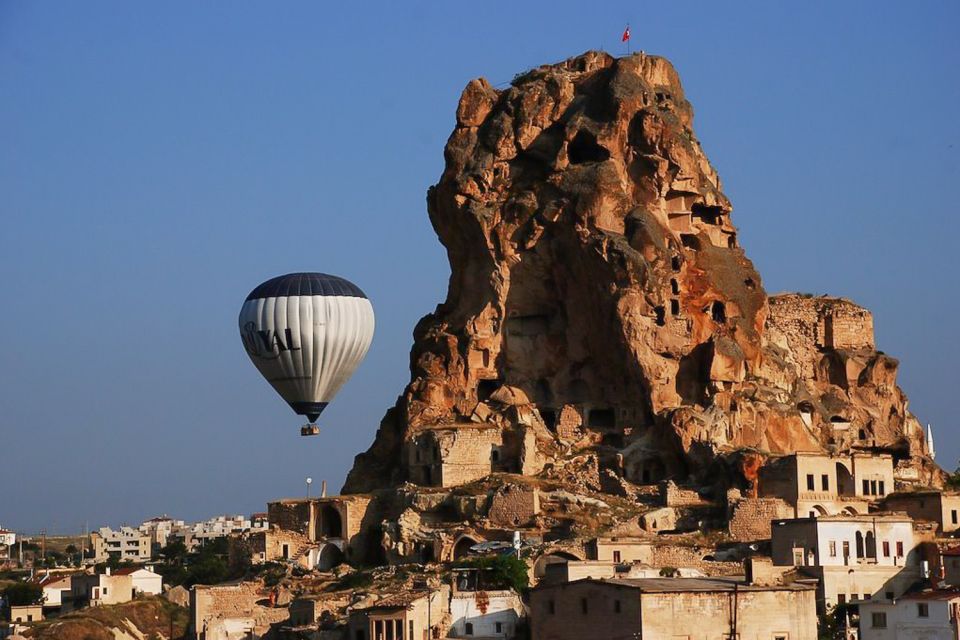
[
  {"x": 54, "y": 587},
  {"x": 476, "y": 612},
  {"x": 145, "y": 580},
  {"x": 928, "y": 615},
  {"x": 855, "y": 557}
]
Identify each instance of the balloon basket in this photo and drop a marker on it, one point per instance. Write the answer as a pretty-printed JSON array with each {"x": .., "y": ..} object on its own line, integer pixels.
[{"x": 309, "y": 430}]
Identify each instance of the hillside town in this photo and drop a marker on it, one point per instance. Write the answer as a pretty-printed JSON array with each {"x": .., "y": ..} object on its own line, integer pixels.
[{"x": 610, "y": 431}]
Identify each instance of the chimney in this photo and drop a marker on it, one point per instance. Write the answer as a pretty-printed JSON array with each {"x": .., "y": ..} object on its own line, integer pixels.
[
  {"x": 323, "y": 488},
  {"x": 108, "y": 571}
]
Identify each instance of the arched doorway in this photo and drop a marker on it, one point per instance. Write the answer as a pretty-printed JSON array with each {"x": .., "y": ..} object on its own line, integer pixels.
[
  {"x": 330, "y": 556},
  {"x": 859, "y": 544},
  {"x": 554, "y": 557},
  {"x": 331, "y": 524},
  {"x": 462, "y": 548}
]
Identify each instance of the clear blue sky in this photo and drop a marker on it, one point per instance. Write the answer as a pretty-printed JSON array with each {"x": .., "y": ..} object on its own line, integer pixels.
[{"x": 158, "y": 161}]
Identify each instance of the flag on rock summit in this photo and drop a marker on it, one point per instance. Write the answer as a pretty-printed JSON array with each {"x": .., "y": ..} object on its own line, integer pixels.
[{"x": 626, "y": 35}]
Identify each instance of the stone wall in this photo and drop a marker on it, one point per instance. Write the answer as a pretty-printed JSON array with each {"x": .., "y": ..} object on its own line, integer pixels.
[
  {"x": 812, "y": 323},
  {"x": 290, "y": 515},
  {"x": 751, "y": 517},
  {"x": 217, "y": 611},
  {"x": 673, "y": 496},
  {"x": 514, "y": 506},
  {"x": 689, "y": 557}
]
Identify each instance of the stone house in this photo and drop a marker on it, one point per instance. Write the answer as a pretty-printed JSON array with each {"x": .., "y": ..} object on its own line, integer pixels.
[
  {"x": 853, "y": 557},
  {"x": 618, "y": 550},
  {"x": 927, "y": 615},
  {"x": 232, "y": 612},
  {"x": 311, "y": 532},
  {"x": 931, "y": 506},
  {"x": 818, "y": 484},
  {"x": 145, "y": 579},
  {"x": 412, "y": 614},
  {"x": 26, "y": 613},
  {"x": 97, "y": 589},
  {"x": 673, "y": 608}
]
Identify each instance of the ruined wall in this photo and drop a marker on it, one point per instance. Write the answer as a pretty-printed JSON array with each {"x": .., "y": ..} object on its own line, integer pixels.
[
  {"x": 514, "y": 506},
  {"x": 290, "y": 515},
  {"x": 216, "y": 609},
  {"x": 673, "y": 496},
  {"x": 751, "y": 518}
]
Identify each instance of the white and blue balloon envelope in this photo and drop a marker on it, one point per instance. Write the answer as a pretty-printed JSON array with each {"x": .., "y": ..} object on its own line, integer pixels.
[{"x": 307, "y": 333}]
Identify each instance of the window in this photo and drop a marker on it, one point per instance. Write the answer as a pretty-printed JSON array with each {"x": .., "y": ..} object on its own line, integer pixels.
[
  {"x": 833, "y": 548},
  {"x": 616, "y": 556},
  {"x": 953, "y": 516},
  {"x": 810, "y": 485},
  {"x": 499, "y": 627},
  {"x": 882, "y": 492},
  {"x": 866, "y": 487},
  {"x": 873, "y": 487},
  {"x": 616, "y": 606},
  {"x": 104, "y": 591},
  {"x": 854, "y": 597},
  {"x": 923, "y": 610},
  {"x": 878, "y": 620},
  {"x": 583, "y": 605},
  {"x": 780, "y": 636},
  {"x": 841, "y": 598},
  {"x": 846, "y": 548},
  {"x": 899, "y": 549},
  {"x": 888, "y": 595},
  {"x": 410, "y": 629},
  {"x": 825, "y": 482},
  {"x": 551, "y": 607},
  {"x": 469, "y": 629},
  {"x": 886, "y": 548}
]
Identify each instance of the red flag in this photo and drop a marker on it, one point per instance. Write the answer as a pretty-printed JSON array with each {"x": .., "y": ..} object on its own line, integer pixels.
[{"x": 626, "y": 34}]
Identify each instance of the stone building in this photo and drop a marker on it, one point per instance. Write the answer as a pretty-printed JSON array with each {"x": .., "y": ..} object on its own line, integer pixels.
[
  {"x": 939, "y": 507},
  {"x": 482, "y": 613},
  {"x": 97, "y": 589},
  {"x": 927, "y": 615},
  {"x": 819, "y": 484},
  {"x": 20, "y": 614},
  {"x": 311, "y": 532},
  {"x": 673, "y": 608},
  {"x": 412, "y": 614},
  {"x": 232, "y": 611},
  {"x": 618, "y": 550},
  {"x": 853, "y": 557}
]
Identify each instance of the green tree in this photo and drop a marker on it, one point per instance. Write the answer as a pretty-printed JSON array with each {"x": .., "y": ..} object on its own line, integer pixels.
[
  {"x": 501, "y": 572},
  {"x": 175, "y": 552},
  {"x": 22, "y": 593}
]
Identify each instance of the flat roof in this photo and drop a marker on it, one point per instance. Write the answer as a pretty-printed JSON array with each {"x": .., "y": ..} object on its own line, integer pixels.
[
  {"x": 841, "y": 517},
  {"x": 690, "y": 585}
]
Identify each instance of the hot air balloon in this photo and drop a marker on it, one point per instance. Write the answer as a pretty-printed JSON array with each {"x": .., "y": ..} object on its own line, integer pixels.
[{"x": 307, "y": 333}]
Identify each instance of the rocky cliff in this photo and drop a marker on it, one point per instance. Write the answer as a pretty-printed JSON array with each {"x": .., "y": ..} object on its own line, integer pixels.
[{"x": 602, "y": 315}]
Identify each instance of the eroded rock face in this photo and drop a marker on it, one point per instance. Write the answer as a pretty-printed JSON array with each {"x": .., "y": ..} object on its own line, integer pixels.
[{"x": 599, "y": 301}]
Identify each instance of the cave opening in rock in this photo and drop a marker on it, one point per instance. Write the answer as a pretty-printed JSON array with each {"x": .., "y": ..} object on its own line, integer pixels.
[
  {"x": 584, "y": 148},
  {"x": 603, "y": 418},
  {"x": 674, "y": 286},
  {"x": 718, "y": 312},
  {"x": 661, "y": 315},
  {"x": 709, "y": 215},
  {"x": 485, "y": 388},
  {"x": 674, "y": 307},
  {"x": 690, "y": 241},
  {"x": 732, "y": 241},
  {"x": 675, "y": 263},
  {"x": 549, "y": 418}
]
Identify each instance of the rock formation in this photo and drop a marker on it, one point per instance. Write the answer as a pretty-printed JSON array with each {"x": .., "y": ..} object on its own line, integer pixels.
[{"x": 602, "y": 325}]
